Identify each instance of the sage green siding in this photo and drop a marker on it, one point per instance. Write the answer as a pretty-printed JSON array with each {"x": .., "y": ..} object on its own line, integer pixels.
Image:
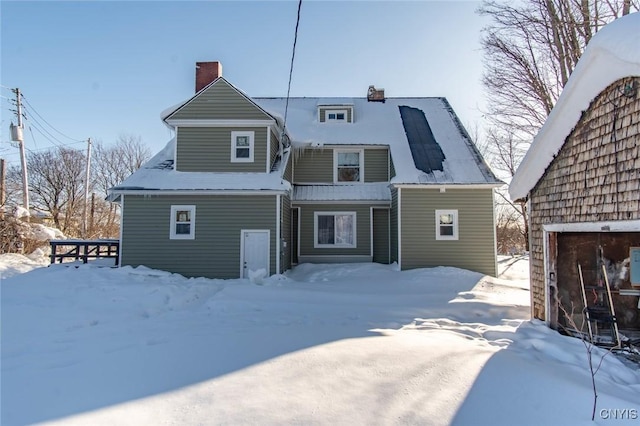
[
  {"x": 208, "y": 149},
  {"x": 294, "y": 235},
  {"x": 381, "y": 235},
  {"x": 285, "y": 230},
  {"x": 363, "y": 235},
  {"x": 475, "y": 249},
  {"x": 288, "y": 170},
  {"x": 220, "y": 102},
  {"x": 392, "y": 169},
  {"x": 215, "y": 251},
  {"x": 323, "y": 111},
  {"x": 394, "y": 225},
  {"x": 316, "y": 165},
  {"x": 376, "y": 165},
  {"x": 313, "y": 166}
]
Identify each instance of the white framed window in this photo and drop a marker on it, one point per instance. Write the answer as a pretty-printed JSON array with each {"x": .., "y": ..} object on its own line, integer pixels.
[
  {"x": 334, "y": 229},
  {"x": 446, "y": 224},
  {"x": 335, "y": 115},
  {"x": 348, "y": 165},
  {"x": 183, "y": 223},
  {"x": 242, "y": 147}
]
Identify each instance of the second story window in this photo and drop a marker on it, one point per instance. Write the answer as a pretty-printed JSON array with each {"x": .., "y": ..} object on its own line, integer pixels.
[
  {"x": 242, "y": 147},
  {"x": 348, "y": 166}
]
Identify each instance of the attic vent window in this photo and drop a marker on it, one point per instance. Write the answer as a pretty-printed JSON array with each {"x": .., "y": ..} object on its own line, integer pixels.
[{"x": 336, "y": 115}]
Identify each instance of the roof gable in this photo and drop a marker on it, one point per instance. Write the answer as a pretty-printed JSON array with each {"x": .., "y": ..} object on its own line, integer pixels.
[{"x": 220, "y": 100}]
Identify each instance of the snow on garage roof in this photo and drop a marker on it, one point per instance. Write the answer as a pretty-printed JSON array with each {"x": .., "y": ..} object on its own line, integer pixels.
[{"x": 613, "y": 53}]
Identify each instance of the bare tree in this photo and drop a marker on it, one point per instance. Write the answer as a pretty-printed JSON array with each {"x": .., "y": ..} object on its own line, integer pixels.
[
  {"x": 114, "y": 163},
  {"x": 56, "y": 185},
  {"x": 530, "y": 49}
]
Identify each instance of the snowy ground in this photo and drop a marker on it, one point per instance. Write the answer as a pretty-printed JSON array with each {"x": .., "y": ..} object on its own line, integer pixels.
[{"x": 338, "y": 344}]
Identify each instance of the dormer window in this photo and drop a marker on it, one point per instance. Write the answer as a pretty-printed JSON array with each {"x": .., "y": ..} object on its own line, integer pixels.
[
  {"x": 336, "y": 115},
  {"x": 348, "y": 165},
  {"x": 242, "y": 147}
]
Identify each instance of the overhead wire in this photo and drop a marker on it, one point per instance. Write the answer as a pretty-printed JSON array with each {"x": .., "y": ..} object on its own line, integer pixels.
[
  {"x": 33, "y": 110},
  {"x": 293, "y": 55}
]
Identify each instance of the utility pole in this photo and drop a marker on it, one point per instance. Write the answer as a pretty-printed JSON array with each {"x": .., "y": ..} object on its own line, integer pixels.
[
  {"x": 86, "y": 190},
  {"x": 17, "y": 136}
]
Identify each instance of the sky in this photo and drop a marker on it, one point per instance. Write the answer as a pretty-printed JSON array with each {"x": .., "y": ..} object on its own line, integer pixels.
[{"x": 100, "y": 69}]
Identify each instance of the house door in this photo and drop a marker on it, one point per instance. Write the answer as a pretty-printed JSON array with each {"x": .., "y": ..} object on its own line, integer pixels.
[
  {"x": 254, "y": 251},
  {"x": 380, "y": 235}
]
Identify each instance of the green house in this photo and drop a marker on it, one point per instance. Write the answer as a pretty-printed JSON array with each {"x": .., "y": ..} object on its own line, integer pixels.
[{"x": 236, "y": 193}]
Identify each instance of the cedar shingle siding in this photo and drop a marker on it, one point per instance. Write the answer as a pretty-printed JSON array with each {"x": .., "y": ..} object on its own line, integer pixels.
[{"x": 595, "y": 176}]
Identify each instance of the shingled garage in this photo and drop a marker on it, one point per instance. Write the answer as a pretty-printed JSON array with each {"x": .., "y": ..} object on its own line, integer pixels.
[{"x": 582, "y": 179}]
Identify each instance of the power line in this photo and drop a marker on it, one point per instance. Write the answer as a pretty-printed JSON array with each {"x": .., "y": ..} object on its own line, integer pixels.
[
  {"x": 293, "y": 55},
  {"x": 32, "y": 108}
]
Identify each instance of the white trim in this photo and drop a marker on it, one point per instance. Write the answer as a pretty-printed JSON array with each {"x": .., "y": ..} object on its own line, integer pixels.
[
  {"x": 174, "y": 166},
  {"x": 545, "y": 260},
  {"x": 604, "y": 226},
  {"x": 268, "y": 160},
  {"x": 495, "y": 236},
  {"x": 173, "y": 222},
  {"x": 244, "y": 231},
  {"x": 452, "y": 212},
  {"x": 298, "y": 235},
  {"x": 220, "y": 123},
  {"x": 253, "y": 192},
  {"x": 438, "y": 186},
  {"x": 376, "y": 202},
  {"x": 121, "y": 228},
  {"x": 400, "y": 228},
  {"x": 335, "y": 245},
  {"x": 234, "y": 147},
  {"x": 337, "y": 151},
  {"x": 278, "y": 234}
]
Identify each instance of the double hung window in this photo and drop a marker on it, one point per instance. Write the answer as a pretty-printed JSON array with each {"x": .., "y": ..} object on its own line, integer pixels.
[
  {"x": 183, "y": 223},
  {"x": 242, "y": 147}
]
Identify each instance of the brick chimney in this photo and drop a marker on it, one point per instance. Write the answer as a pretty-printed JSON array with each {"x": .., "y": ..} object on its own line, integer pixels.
[{"x": 206, "y": 72}]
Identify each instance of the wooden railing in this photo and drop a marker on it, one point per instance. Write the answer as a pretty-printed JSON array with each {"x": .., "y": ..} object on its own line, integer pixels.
[{"x": 85, "y": 250}]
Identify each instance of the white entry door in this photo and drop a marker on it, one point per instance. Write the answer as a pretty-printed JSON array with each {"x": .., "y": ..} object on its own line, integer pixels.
[{"x": 254, "y": 251}]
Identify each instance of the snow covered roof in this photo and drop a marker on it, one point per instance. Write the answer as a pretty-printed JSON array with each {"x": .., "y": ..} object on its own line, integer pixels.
[
  {"x": 380, "y": 123},
  {"x": 613, "y": 53},
  {"x": 358, "y": 192},
  {"x": 158, "y": 174}
]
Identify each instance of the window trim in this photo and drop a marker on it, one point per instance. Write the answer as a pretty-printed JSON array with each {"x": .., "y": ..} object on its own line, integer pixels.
[
  {"x": 336, "y": 152},
  {"x": 336, "y": 112},
  {"x": 455, "y": 226},
  {"x": 234, "y": 147},
  {"x": 334, "y": 245},
  {"x": 192, "y": 229}
]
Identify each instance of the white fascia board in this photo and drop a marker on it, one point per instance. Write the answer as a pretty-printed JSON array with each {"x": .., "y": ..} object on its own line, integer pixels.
[
  {"x": 370, "y": 202},
  {"x": 220, "y": 123},
  {"x": 605, "y": 226},
  {"x": 201, "y": 192},
  {"x": 448, "y": 185}
]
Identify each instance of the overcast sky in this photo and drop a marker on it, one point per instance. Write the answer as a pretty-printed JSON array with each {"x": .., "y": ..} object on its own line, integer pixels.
[{"x": 99, "y": 69}]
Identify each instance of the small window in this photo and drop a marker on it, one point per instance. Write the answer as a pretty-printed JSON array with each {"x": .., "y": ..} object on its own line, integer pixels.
[
  {"x": 446, "y": 224},
  {"x": 242, "y": 147},
  {"x": 348, "y": 166},
  {"x": 335, "y": 229},
  {"x": 183, "y": 222},
  {"x": 336, "y": 115}
]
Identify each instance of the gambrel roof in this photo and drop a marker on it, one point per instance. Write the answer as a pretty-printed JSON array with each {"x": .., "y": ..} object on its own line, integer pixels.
[{"x": 613, "y": 53}]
